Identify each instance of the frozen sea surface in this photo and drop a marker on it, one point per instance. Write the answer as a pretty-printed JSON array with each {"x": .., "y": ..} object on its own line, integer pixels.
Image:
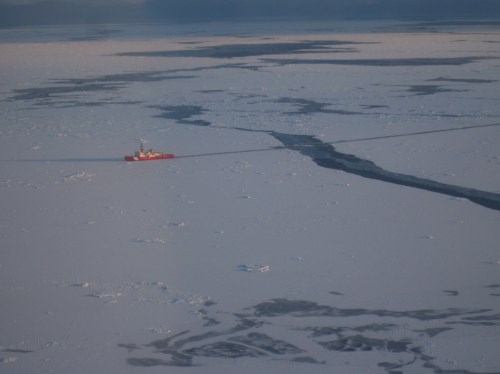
[{"x": 333, "y": 204}]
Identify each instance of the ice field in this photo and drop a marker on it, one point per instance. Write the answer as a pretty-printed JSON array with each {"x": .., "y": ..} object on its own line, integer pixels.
[{"x": 333, "y": 205}]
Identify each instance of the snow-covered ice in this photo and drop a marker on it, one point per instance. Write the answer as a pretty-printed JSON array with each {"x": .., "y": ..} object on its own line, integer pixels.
[{"x": 354, "y": 169}]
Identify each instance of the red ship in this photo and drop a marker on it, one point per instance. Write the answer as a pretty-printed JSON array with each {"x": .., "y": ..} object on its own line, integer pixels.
[{"x": 148, "y": 155}]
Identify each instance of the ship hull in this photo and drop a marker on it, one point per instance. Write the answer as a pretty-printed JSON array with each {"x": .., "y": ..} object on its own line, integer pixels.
[{"x": 146, "y": 158}]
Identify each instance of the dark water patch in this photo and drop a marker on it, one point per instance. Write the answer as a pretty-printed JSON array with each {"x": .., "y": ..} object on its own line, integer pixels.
[
  {"x": 325, "y": 155},
  {"x": 334, "y": 293},
  {"x": 307, "y": 360},
  {"x": 277, "y": 148},
  {"x": 93, "y": 35},
  {"x": 390, "y": 366},
  {"x": 462, "y": 80},
  {"x": 461, "y": 23},
  {"x": 61, "y": 104},
  {"x": 246, "y": 336},
  {"x": 14, "y": 350},
  {"x": 451, "y": 26},
  {"x": 383, "y": 62},
  {"x": 280, "y": 307},
  {"x": 177, "y": 341},
  {"x": 338, "y": 331},
  {"x": 266, "y": 343},
  {"x": 306, "y": 106},
  {"x": 429, "y": 89},
  {"x": 375, "y": 327},
  {"x": 224, "y": 350},
  {"x": 151, "y": 362},
  {"x": 302, "y": 308},
  {"x": 45, "y": 94},
  {"x": 210, "y": 91},
  {"x": 132, "y": 77},
  {"x": 422, "y": 90},
  {"x": 191, "y": 42},
  {"x": 483, "y": 320},
  {"x": 242, "y": 66},
  {"x": 451, "y": 292},
  {"x": 166, "y": 343},
  {"x": 69, "y": 91},
  {"x": 182, "y": 114},
  {"x": 209, "y": 321},
  {"x": 493, "y": 287},
  {"x": 209, "y": 303},
  {"x": 373, "y": 106},
  {"x": 252, "y": 50},
  {"x": 318, "y": 332},
  {"x": 363, "y": 343},
  {"x": 432, "y": 332}
]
